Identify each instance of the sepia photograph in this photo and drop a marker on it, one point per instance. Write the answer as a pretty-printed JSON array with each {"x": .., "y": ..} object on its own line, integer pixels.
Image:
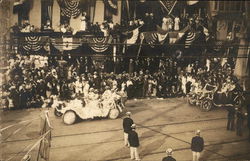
[{"x": 124, "y": 80}]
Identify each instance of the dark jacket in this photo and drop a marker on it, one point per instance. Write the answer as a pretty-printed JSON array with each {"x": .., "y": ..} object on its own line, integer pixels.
[
  {"x": 133, "y": 139},
  {"x": 231, "y": 113},
  {"x": 127, "y": 123},
  {"x": 168, "y": 158},
  {"x": 197, "y": 144}
]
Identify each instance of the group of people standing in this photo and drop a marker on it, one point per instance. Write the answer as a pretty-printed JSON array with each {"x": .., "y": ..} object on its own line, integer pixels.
[
  {"x": 131, "y": 140},
  {"x": 236, "y": 117}
]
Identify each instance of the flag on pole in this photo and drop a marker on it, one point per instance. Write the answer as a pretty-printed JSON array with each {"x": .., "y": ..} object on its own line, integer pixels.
[
  {"x": 192, "y": 2},
  {"x": 168, "y": 5}
]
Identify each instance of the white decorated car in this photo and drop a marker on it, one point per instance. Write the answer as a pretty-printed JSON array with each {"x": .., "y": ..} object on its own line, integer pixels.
[{"x": 88, "y": 109}]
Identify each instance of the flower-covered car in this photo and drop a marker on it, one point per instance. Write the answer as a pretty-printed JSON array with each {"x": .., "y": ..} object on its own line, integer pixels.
[{"x": 83, "y": 108}]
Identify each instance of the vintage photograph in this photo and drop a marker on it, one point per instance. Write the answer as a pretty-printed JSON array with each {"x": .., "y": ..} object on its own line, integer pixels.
[{"x": 123, "y": 80}]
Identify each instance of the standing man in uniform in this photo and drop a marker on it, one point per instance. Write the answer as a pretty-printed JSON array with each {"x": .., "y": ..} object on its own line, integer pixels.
[
  {"x": 230, "y": 118},
  {"x": 248, "y": 121},
  {"x": 239, "y": 121},
  {"x": 134, "y": 143},
  {"x": 197, "y": 146},
  {"x": 169, "y": 157},
  {"x": 127, "y": 123}
]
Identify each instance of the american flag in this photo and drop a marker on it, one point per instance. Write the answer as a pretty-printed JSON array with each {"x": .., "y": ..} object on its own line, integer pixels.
[
  {"x": 151, "y": 38},
  {"x": 168, "y": 4}
]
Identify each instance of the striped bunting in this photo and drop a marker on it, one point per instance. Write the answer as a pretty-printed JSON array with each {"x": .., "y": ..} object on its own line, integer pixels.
[
  {"x": 132, "y": 40},
  {"x": 70, "y": 8},
  {"x": 150, "y": 37},
  {"x": 100, "y": 44},
  {"x": 32, "y": 43},
  {"x": 189, "y": 39}
]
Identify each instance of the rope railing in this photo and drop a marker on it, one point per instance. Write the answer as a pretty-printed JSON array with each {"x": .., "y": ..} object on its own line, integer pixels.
[{"x": 45, "y": 138}]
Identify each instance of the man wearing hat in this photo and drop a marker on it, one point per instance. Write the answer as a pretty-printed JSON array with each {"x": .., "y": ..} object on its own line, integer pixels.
[
  {"x": 134, "y": 143},
  {"x": 169, "y": 157},
  {"x": 127, "y": 123},
  {"x": 197, "y": 146}
]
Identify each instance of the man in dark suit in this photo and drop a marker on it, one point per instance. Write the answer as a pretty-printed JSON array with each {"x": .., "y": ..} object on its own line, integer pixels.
[
  {"x": 197, "y": 146},
  {"x": 248, "y": 120},
  {"x": 169, "y": 157},
  {"x": 230, "y": 118},
  {"x": 127, "y": 123},
  {"x": 134, "y": 143},
  {"x": 239, "y": 121}
]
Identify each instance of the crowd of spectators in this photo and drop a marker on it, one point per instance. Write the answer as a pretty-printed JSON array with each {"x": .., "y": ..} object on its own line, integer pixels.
[{"x": 30, "y": 80}]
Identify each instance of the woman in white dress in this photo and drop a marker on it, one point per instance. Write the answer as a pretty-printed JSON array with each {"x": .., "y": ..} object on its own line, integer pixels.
[
  {"x": 176, "y": 23},
  {"x": 83, "y": 22}
]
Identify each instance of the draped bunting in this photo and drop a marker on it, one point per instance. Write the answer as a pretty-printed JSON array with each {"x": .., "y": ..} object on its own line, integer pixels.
[
  {"x": 111, "y": 6},
  {"x": 33, "y": 43},
  {"x": 70, "y": 8},
  {"x": 100, "y": 44},
  {"x": 132, "y": 40},
  {"x": 150, "y": 37},
  {"x": 189, "y": 39}
]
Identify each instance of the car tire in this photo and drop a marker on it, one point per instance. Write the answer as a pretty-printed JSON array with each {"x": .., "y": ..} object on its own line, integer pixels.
[
  {"x": 113, "y": 113},
  {"x": 69, "y": 117},
  {"x": 206, "y": 105},
  {"x": 57, "y": 113}
]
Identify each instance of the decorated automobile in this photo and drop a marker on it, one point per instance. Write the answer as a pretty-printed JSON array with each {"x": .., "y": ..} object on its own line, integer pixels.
[
  {"x": 214, "y": 98},
  {"x": 83, "y": 108}
]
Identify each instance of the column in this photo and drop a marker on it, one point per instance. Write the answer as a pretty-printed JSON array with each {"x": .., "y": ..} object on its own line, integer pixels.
[
  {"x": 35, "y": 14},
  {"x": 56, "y": 16},
  {"x": 117, "y": 18},
  {"x": 99, "y": 12}
]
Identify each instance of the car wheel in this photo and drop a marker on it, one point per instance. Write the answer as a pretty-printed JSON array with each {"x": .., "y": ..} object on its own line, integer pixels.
[
  {"x": 57, "y": 113},
  {"x": 69, "y": 117},
  {"x": 114, "y": 113},
  {"x": 206, "y": 105},
  {"x": 238, "y": 101}
]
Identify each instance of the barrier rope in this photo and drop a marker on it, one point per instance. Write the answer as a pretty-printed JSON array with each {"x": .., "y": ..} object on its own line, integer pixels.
[
  {"x": 19, "y": 152},
  {"x": 36, "y": 144}
]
